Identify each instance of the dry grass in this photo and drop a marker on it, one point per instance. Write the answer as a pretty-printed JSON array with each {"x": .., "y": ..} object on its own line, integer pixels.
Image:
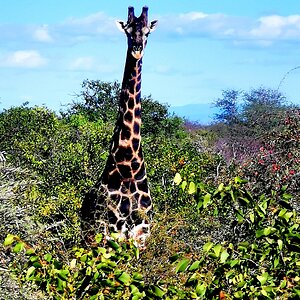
[{"x": 15, "y": 220}]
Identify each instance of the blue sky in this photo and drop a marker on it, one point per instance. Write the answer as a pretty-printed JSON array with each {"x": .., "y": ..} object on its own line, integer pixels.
[{"x": 48, "y": 47}]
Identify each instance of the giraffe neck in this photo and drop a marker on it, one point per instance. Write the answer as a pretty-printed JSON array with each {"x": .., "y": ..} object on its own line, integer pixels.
[
  {"x": 126, "y": 153},
  {"x": 127, "y": 131}
]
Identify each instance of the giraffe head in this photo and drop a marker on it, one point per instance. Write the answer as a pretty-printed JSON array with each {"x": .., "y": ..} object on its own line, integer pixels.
[{"x": 137, "y": 31}]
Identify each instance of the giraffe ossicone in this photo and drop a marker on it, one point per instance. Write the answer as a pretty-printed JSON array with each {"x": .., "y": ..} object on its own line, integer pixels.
[{"x": 121, "y": 200}]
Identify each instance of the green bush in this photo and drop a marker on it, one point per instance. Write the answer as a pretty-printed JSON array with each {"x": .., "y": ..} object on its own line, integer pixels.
[{"x": 262, "y": 262}]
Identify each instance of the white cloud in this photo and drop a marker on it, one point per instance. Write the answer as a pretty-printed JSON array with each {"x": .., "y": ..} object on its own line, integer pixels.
[
  {"x": 82, "y": 64},
  {"x": 69, "y": 31},
  {"x": 277, "y": 27},
  {"x": 194, "y": 16},
  {"x": 23, "y": 59},
  {"x": 90, "y": 64},
  {"x": 41, "y": 34},
  {"x": 263, "y": 31},
  {"x": 98, "y": 24}
]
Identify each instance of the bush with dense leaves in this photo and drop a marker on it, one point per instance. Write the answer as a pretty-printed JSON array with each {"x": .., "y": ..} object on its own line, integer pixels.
[{"x": 263, "y": 261}]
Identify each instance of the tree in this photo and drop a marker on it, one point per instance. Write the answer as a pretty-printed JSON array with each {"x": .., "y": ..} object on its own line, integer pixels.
[
  {"x": 260, "y": 109},
  {"x": 228, "y": 106},
  {"x": 100, "y": 100},
  {"x": 245, "y": 119}
]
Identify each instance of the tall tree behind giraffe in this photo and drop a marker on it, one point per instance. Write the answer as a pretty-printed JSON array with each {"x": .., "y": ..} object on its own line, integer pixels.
[{"x": 121, "y": 201}]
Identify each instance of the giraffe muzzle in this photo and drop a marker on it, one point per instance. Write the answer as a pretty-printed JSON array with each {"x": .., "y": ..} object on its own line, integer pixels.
[{"x": 137, "y": 52}]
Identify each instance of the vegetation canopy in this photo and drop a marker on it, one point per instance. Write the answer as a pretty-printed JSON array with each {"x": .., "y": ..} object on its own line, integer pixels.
[{"x": 226, "y": 201}]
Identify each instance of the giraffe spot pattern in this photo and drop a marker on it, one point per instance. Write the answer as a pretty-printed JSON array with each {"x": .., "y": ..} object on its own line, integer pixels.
[{"x": 124, "y": 177}]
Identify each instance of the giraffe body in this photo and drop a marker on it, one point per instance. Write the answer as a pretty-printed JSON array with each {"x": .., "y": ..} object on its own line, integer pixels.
[{"x": 121, "y": 199}]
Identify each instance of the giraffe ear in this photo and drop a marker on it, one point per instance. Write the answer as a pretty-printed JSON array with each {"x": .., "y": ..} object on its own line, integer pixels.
[
  {"x": 153, "y": 25},
  {"x": 121, "y": 25}
]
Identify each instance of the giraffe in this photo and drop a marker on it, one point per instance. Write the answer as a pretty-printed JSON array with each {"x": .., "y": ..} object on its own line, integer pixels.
[{"x": 121, "y": 200}]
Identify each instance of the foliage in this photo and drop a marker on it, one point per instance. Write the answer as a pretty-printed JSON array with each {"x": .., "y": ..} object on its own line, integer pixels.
[
  {"x": 25, "y": 129},
  {"x": 95, "y": 273},
  {"x": 100, "y": 100},
  {"x": 260, "y": 106},
  {"x": 263, "y": 257},
  {"x": 276, "y": 164},
  {"x": 245, "y": 119},
  {"x": 229, "y": 107},
  {"x": 263, "y": 262},
  {"x": 97, "y": 100},
  {"x": 212, "y": 237}
]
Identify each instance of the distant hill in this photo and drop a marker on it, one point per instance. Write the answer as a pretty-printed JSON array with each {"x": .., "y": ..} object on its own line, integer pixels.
[{"x": 202, "y": 113}]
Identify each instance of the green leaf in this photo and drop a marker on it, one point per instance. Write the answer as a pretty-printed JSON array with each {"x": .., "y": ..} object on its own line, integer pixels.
[
  {"x": 18, "y": 247},
  {"x": 37, "y": 264},
  {"x": 206, "y": 200},
  {"x": 34, "y": 258},
  {"x": 177, "y": 179},
  {"x": 133, "y": 289},
  {"x": 288, "y": 215},
  {"x": 157, "y": 291},
  {"x": 297, "y": 291},
  {"x": 224, "y": 256},
  {"x": 60, "y": 284},
  {"x": 195, "y": 265},
  {"x": 183, "y": 185},
  {"x": 113, "y": 244},
  {"x": 9, "y": 240},
  {"x": 137, "y": 276},
  {"x": 217, "y": 249},
  {"x": 234, "y": 262},
  {"x": 280, "y": 244},
  {"x": 174, "y": 257},
  {"x": 125, "y": 278},
  {"x": 29, "y": 272},
  {"x": 83, "y": 258},
  {"x": 282, "y": 212},
  {"x": 115, "y": 235},
  {"x": 88, "y": 271},
  {"x": 98, "y": 238},
  {"x": 230, "y": 274},
  {"x": 259, "y": 233},
  {"x": 276, "y": 262},
  {"x": 30, "y": 251},
  {"x": 240, "y": 180},
  {"x": 263, "y": 278},
  {"x": 239, "y": 294},
  {"x": 201, "y": 289},
  {"x": 182, "y": 265},
  {"x": 207, "y": 246},
  {"x": 265, "y": 231},
  {"x": 269, "y": 230},
  {"x": 48, "y": 257},
  {"x": 251, "y": 216},
  {"x": 192, "y": 188},
  {"x": 63, "y": 274},
  {"x": 136, "y": 252},
  {"x": 262, "y": 208},
  {"x": 220, "y": 187},
  {"x": 286, "y": 196}
]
